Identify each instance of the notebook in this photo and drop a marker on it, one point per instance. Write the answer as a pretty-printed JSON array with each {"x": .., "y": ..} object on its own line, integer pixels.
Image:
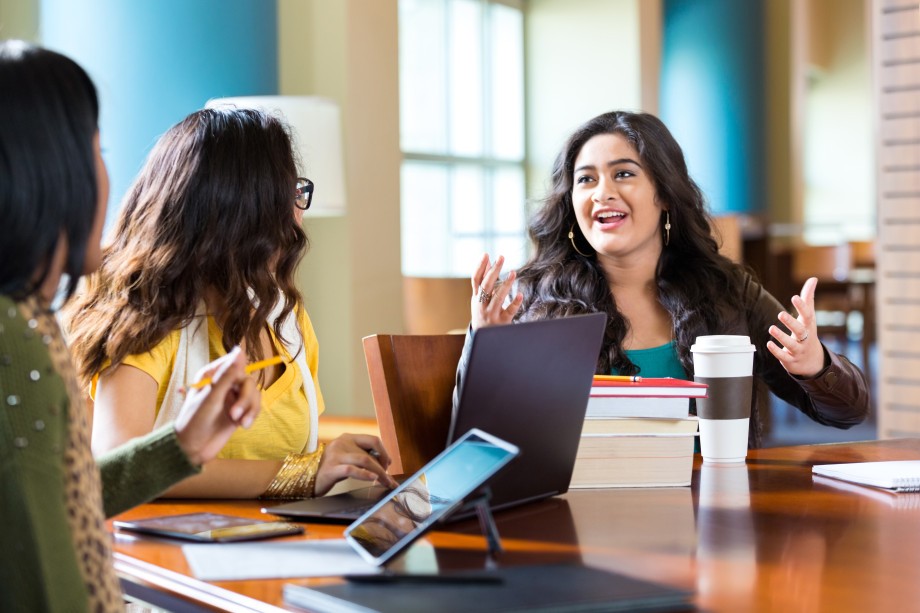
[
  {"x": 429, "y": 495},
  {"x": 555, "y": 587},
  {"x": 534, "y": 374},
  {"x": 897, "y": 476}
]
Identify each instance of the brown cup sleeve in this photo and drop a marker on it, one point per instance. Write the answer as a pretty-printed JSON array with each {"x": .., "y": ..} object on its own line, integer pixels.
[{"x": 726, "y": 398}]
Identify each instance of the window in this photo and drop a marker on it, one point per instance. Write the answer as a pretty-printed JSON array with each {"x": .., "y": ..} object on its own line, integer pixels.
[{"x": 461, "y": 86}]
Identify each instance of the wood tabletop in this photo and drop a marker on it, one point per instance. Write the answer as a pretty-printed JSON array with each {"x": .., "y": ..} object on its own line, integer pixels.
[{"x": 762, "y": 536}]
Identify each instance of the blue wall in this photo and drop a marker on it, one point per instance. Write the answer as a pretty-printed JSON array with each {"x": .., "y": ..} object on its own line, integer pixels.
[
  {"x": 712, "y": 97},
  {"x": 156, "y": 61}
]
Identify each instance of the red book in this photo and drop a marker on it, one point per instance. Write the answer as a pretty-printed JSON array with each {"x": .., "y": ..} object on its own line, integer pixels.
[{"x": 649, "y": 387}]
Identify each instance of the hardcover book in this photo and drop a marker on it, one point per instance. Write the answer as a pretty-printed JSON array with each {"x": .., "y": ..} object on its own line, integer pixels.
[
  {"x": 666, "y": 386},
  {"x": 634, "y": 460},
  {"x": 637, "y": 406},
  {"x": 665, "y": 397},
  {"x": 641, "y": 425}
]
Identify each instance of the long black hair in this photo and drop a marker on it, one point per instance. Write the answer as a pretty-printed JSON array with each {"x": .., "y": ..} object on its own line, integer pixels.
[
  {"x": 49, "y": 115},
  {"x": 695, "y": 283}
]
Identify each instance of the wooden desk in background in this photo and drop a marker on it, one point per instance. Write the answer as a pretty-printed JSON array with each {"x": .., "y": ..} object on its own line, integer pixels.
[{"x": 760, "y": 537}]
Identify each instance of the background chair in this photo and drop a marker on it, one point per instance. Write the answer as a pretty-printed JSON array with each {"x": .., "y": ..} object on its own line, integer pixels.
[
  {"x": 436, "y": 305},
  {"x": 846, "y": 279},
  {"x": 412, "y": 382},
  {"x": 831, "y": 264}
]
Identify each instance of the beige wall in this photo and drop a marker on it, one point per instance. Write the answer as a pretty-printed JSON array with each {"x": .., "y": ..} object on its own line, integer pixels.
[
  {"x": 351, "y": 279},
  {"x": 583, "y": 59},
  {"x": 784, "y": 200},
  {"x": 838, "y": 152},
  {"x": 19, "y": 19},
  {"x": 819, "y": 126}
]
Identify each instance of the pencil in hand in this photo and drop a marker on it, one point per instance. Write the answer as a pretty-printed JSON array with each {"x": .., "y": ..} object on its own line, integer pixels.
[{"x": 250, "y": 368}]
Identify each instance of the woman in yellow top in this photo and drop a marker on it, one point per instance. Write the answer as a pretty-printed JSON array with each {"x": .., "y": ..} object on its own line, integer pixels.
[{"x": 202, "y": 258}]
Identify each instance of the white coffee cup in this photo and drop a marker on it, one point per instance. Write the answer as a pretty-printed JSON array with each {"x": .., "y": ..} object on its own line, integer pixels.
[{"x": 725, "y": 363}]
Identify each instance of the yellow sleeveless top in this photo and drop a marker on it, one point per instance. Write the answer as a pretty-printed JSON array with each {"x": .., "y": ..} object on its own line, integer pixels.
[{"x": 283, "y": 425}]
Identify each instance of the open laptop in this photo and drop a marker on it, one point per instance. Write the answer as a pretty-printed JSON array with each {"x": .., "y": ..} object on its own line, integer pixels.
[{"x": 526, "y": 383}]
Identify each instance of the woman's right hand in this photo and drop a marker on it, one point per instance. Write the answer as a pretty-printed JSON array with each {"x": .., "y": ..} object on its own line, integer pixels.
[
  {"x": 489, "y": 294},
  {"x": 359, "y": 456},
  {"x": 210, "y": 415}
]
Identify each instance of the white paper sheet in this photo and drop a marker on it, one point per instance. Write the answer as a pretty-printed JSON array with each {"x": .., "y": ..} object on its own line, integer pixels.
[{"x": 265, "y": 560}]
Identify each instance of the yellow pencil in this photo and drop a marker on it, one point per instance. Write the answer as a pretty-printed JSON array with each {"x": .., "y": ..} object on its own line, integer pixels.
[
  {"x": 630, "y": 378},
  {"x": 251, "y": 368}
]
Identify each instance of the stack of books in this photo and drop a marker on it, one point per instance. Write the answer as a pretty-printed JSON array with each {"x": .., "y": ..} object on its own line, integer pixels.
[{"x": 637, "y": 434}]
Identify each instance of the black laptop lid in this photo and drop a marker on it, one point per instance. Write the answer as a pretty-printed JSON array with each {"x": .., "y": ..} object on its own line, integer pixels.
[{"x": 528, "y": 383}]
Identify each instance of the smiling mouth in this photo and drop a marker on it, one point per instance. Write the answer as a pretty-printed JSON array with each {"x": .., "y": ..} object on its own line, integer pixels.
[{"x": 609, "y": 216}]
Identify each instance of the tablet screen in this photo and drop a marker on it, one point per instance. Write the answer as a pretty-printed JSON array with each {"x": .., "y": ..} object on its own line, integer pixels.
[{"x": 438, "y": 488}]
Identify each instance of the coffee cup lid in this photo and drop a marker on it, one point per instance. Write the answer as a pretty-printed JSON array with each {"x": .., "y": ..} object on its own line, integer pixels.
[{"x": 722, "y": 343}]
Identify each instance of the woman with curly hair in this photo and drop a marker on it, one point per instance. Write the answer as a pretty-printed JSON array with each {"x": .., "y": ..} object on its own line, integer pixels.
[
  {"x": 625, "y": 232},
  {"x": 202, "y": 258}
]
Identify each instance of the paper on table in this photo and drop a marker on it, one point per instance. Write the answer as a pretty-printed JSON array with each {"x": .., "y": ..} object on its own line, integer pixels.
[
  {"x": 896, "y": 475},
  {"x": 315, "y": 558}
]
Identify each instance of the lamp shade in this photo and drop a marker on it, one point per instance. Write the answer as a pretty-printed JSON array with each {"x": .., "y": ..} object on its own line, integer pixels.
[{"x": 316, "y": 126}]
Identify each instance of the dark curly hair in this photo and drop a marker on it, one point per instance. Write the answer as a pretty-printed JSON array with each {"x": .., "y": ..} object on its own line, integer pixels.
[
  {"x": 212, "y": 209},
  {"x": 695, "y": 283}
]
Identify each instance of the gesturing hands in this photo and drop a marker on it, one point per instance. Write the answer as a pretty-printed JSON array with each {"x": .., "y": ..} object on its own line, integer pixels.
[
  {"x": 360, "y": 456},
  {"x": 801, "y": 353},
  {"x": 487, "y": 303},
  {"x": 210, "y": 415}
]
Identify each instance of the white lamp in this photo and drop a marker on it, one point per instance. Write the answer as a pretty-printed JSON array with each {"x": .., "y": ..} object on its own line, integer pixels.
[{"x": 317, "y": 133}]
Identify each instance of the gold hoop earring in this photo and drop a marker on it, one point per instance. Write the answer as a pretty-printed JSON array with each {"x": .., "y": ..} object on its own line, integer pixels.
[
  {"x": 667, "y": 228},
  {"x": 572, "y": 239}
]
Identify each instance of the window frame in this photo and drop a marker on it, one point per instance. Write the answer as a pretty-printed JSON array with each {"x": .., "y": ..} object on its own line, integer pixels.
[{"x": 486, "y": 163}]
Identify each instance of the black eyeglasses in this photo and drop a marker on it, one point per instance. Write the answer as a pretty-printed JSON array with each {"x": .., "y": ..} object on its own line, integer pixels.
[{"x": 304, "y": 194}]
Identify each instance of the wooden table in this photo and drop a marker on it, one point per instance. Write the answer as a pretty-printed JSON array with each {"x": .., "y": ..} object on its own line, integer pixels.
[{"x": 763, "y": 536}]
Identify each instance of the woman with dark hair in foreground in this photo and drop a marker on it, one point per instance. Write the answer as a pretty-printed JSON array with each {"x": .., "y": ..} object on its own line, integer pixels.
[
  {"x": 625, "y": 231},
  {"x": 53, "y": 495}
]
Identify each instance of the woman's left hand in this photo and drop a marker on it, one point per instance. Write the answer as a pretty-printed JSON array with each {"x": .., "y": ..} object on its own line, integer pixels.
[{"x": 801, "y": 353}]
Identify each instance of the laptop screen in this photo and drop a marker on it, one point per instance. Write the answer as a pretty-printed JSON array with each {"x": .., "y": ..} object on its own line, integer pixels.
[
  {"x": 528, "y": 383},
  {"x": 438, "y": 488}
]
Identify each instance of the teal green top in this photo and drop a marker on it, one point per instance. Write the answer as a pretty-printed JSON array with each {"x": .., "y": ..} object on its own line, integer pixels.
[{"x": 661, "y": 361}]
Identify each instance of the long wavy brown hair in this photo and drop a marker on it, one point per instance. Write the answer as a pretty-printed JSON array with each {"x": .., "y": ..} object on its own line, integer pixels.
[
  {"x": 696, "y": 284},
  {"x": 212, "y": 210}
]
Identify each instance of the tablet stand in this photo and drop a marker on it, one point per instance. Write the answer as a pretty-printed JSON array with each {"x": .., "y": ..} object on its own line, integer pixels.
[{"x": 480, "y": 500}]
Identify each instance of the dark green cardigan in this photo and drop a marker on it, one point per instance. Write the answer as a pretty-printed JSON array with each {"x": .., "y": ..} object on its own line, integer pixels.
[{"x": 39, "y": 570}]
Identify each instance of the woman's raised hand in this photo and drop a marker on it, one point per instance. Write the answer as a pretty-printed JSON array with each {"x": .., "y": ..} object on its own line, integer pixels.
[
  {"x": 360, "y": 456},
  {"x": 801, "y": 353},
  {"x": 487, "y": 305},
  {"x": 210, "y": 415}
]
